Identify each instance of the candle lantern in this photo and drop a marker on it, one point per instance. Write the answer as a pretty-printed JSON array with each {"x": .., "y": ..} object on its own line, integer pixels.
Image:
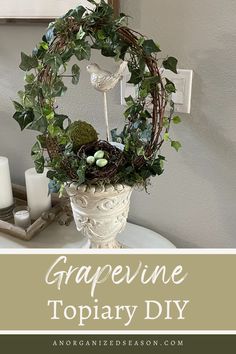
[{"x": 22, "y": 216}]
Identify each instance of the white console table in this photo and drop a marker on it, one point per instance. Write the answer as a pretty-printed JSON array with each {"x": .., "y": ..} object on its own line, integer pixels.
[{"x": 56, "y": 236}]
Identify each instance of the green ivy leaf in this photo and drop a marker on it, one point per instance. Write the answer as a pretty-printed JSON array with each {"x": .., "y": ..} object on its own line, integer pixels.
[
  {"x": 54, "y": 61},
  {"x": 101, "y": 34},
  {"x": 162, "y": 159},
  {"x": 51, "y": 174},
  {"x": 68, "y": 151},
  {"x": 81, "y": 172},
  {"x": 67, "y": 55},
  {"x": 39, "y": 164},
  {"x": 83, "y": 51},
  {"x": 93, "y": 2},
  {"x": 28, "y": 62},
  {"x": 123, "y": 50},
  {"x": 166, "y": 137},
  {"x": 60, "y": 119},
  {"x": 31, "y": 91},
  {"x": 75, "y": 70},
  {"x": 166, "y": 122},
  {"x": 176, "y": 145},
  {"x": 43, "y": 45},
  {"x": 78, "y": 13},
  {"x": 18, "y": 106},
  {"x": 80, "y": 35},
  {"x": 157, "y": 167},
  {"x": 42, "y": 141},
  {"x": 108, "y": 51},
  {"x": 58, "y": 89},
  {"x": 150, "y": 83},
  {"x": 24, "y": 118},
  {"x": 50, "y": 116},
  {"x": 171, "y": 64},
  {"x": 54, "y": 131},
  {"x": 145, "y": 173},
  {"x": 47, "y": 110},
  {"x": 129, "y": 101},
  {"x": 29, "y": 78},
  {"x": 140, "y": 151},
  {"x": 36, "y": 150},
  {"x": 149, "y": 47},
  {"x": 67, "y": 14},
  {"x": 39, "y": 123},
  {"x": 176, "y": 120},
  {"x": 21, "y": 94},
  {"x": 136, "y": 77},
  {"x": 170, "y": 86},
  {"x": 141, "y": 40}
]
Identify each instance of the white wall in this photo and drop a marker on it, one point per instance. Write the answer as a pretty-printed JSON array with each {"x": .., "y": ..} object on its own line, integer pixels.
[{"x": 193, "y": 202}]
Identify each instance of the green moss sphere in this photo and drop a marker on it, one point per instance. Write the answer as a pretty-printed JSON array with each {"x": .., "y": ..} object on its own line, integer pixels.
[{"x": 82, "y": 133}]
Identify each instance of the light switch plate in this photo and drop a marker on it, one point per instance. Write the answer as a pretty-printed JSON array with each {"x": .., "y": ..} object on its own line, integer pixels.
[{"x": 183, "y": 84}]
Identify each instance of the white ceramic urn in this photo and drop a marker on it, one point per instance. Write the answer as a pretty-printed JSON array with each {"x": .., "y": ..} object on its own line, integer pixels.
[{"x": 100, "y": 213}]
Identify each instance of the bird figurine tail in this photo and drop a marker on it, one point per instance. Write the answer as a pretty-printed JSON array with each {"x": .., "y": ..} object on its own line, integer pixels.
[{"x": 122, "y": 68}]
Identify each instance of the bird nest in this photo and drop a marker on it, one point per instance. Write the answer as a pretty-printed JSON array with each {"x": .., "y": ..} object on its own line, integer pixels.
[
  {"x": 115, "y": 159},
  {"x": 145, "y": 128}
]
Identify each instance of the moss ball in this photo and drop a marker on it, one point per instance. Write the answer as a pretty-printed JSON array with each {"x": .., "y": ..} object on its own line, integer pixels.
[{"x": 81, "y": 133}]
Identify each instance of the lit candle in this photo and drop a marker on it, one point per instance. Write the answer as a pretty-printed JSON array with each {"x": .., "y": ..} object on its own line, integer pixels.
[
  {"x": 22, "y": 217},
  {"x": 38, "y": 197},
  {"x": 6, "y": 197}
]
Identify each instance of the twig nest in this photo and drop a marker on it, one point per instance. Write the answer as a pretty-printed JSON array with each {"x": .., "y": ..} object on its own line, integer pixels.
[{"x": 105, "y": 167}]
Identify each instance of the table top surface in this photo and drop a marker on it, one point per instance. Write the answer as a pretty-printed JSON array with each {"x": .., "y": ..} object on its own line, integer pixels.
[{"x": 55, "y": 236}]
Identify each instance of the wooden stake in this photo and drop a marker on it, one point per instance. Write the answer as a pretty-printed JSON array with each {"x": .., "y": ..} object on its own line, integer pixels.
[{"x": 106, "y": 117}]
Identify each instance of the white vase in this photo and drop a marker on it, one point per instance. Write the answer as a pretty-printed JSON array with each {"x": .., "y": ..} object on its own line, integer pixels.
[{"x": 100, "y": 213}]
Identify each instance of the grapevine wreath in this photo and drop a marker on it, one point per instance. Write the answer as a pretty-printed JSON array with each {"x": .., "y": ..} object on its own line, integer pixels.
[{"x": 146, "y": 126}]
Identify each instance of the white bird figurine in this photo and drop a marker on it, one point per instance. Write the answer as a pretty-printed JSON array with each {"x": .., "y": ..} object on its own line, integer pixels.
[{"x": 105, "y": 81}]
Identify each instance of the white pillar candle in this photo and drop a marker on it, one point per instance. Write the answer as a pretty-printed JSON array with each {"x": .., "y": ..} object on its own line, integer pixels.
[
  {"x": 22, "y": 218},
  {"x": 38, "y": 197},
  {"x": 6, "y": 197}
]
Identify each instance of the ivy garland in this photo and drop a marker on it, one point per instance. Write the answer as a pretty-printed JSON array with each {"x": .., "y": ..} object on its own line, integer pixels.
[{"x": 145, "y": 129}]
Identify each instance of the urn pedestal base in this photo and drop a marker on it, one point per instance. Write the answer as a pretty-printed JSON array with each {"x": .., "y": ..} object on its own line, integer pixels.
[
  {"x": 113, "y": 244},
  {"x": 100, "y": 213}
]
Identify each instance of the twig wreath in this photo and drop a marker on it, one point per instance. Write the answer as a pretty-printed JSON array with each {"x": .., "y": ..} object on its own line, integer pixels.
[{"x": 146, "y": 127}]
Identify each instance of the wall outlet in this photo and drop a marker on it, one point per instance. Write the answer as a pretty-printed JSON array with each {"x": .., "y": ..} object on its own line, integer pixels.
[{"x": 183, "y": 83}]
